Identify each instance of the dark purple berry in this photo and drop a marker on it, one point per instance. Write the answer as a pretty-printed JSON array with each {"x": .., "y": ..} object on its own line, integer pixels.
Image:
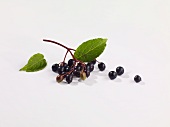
[
  {"x": 69, "y": 78},
  {"x": 87, "y": 73},
  {"x": 91, "y": 66},
  {"x": 87, "y": 67},
  {"x": 67, "y": 69},
  {"x": 137, "y": 78},
  {"x": 71, "y": 62},
  {"x": 76, "y": 73},
  {"x": 112, "y": 75},
  {"x": 120, "y": 70},
  {"x": 65, "y": 64},
  {"x": 60, "y": 69},
  {"x": 55, "y": 67},
  {"x": 101, "y": 66},
  {"x": 78, "y": 68}
]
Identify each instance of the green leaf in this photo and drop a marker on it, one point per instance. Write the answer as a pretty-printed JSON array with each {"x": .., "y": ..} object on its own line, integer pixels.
[
  {"x": 35, "y": 63},
  {"x": 90, "y": 49}
]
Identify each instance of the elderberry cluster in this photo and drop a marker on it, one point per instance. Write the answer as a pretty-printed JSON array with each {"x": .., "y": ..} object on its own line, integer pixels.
[{"x": 75, "y": 68}]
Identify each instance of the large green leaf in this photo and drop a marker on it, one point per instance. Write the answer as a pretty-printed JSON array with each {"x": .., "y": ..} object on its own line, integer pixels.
[
  {"x": 35, "y": 63},
  {"x": 90, "y": 49}
]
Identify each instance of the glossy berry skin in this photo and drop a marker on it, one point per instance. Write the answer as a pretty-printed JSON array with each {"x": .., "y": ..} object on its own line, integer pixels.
[
  {"x": 55, "y": 67},
  {"x": 120, "y": 70},
  {"x": 78, "y": 68},
  {"x": 137, "y": 78},
  {"x": 67, "y": 69},
  {"x": 69, "y": 78},
  {"x": 101, "y": 66},
  {"x": 60, "y": 69},
  {"x": 112, "y": 75},
  {"x": 71, "y": 62},
  {"x": 87, "y": 73},
  {"x": 91, "y": 66},
  {"x": 64, "y": 64},
  {"x": 87, "y": 68},
  {"x": 76, "y": 73}
]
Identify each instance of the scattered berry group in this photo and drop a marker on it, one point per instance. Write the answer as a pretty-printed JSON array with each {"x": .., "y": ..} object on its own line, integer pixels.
[{"x": 119, "y": 71}]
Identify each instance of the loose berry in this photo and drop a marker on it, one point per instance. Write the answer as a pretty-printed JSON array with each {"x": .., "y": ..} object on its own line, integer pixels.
[
  {"x": 67, "y": 69},
  {"x": 101, "y": 66},
  {"x": 120, "y": 70},
  {"x": 55, "y": 67},
  {"x": 69, "y": 78},
  {"x": 112, "y": 75},
  {"x": 71, "y": 62},
  {"x": 137, "y": 78}
]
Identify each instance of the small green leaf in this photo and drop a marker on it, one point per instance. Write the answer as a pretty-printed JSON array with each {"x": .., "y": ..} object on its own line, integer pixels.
[
  {"x": 35, "y": 63},
  {"x": 90, "y": 49}
]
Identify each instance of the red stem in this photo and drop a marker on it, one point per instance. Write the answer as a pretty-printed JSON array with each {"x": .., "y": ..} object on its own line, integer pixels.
[
  {"x": 65, "y": 56},
  {"x": 68, "y": 50},
  {"x": 97, "y": 61},
  {"x": 57, "y": 44}
]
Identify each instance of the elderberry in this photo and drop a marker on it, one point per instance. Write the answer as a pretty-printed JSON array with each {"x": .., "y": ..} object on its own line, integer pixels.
[
  {"x": 112, "y": 75},
  {"x": 91, "y": 66},
  {"x": 120, "y": 70},
  {"x": 137, "y": 78},
  {"x": 60, "y": 69},
  {"x": 71, "y": 62},
  {"x": 69, "y": 78},
  {"x": 101, "y": 66},
  {"x": 55, "y": 67}
]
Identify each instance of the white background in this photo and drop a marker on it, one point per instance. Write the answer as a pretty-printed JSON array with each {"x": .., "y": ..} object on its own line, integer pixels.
[{"x": 138, "y": 33}]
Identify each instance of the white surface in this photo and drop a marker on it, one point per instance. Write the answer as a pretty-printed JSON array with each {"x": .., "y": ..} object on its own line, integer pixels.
[{"x": 138, "y": 39}]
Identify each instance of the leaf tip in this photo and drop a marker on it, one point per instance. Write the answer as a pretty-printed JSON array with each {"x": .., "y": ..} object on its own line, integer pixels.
[
  {"x": 105, "y": 39},
  {"x": 22, "y": 69}
]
